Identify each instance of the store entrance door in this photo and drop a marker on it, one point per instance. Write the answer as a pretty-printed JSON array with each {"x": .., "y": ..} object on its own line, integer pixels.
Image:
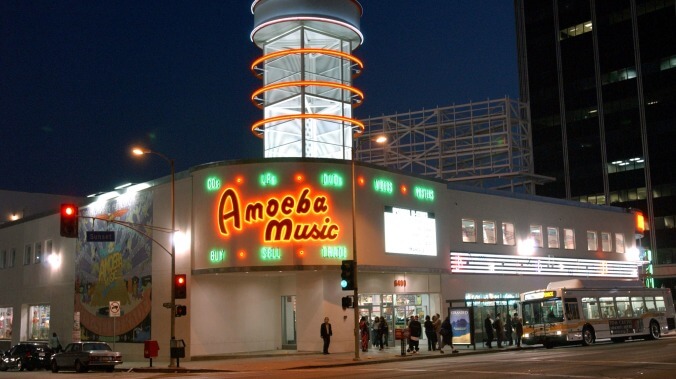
[{"x": 289, "y": 322}]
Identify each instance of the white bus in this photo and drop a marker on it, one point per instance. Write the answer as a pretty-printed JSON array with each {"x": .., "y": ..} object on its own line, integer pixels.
[{"x": 582, "y": 311}]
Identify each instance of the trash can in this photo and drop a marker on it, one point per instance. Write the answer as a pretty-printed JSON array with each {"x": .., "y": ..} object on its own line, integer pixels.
[{"x": 177, "y": 349}]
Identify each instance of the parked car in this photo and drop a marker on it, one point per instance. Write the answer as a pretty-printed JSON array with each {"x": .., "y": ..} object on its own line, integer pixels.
[
  {"x": 27, "y": 355},
  {"x": 83, "y": 356}
]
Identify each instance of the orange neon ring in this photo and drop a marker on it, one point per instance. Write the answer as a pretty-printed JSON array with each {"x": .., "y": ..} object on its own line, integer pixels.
[
  {"x": 282, "y": 53},
  {"x": 304, "y": 83},
  {"x": 258, "y": 133}
]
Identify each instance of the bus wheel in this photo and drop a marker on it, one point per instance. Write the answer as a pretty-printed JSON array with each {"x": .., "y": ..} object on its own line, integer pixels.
[
  {"x": 654, "y": 330},
  {"x": 588, "y": 337}
]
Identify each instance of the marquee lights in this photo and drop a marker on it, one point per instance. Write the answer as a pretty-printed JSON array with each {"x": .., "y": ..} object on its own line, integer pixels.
[
  {"x": 476, "y": 263},
  {"x": 359, "y": 95},
  {"x": 277, "y": 54}
]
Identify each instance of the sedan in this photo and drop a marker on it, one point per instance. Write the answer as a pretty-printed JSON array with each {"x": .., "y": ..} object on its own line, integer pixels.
[
  {"x": 82, "y": 356},
  {"x": 27, "y": 355}
]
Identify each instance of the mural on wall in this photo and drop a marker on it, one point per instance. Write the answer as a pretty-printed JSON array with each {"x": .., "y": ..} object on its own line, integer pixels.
[{"x": 118, "y": 270}]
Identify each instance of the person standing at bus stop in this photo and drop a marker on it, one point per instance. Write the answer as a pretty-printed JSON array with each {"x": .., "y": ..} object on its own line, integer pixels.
[
  {"x": 488, "y": 327},
  {"x": 499, "y": 329},
  {"x": 518, "y": 329}
]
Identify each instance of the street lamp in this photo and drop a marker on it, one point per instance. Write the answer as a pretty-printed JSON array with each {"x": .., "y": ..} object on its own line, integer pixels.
[{"x": 140, "y": 151}]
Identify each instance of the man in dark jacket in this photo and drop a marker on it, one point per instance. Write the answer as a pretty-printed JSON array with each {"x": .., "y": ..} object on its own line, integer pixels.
[
  {"x": 488, "y": 327},
  {"x": 415, "y": 330},
  {"x": 326, "y": 334}
]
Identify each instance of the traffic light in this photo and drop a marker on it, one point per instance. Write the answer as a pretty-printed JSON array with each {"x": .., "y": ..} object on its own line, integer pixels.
[
  {"x": 180, "y": 286},
  {"x": 181, "y": 310},
  {"x": 347, "y": 275},
  {"x": 69, "y": 218},
  {"x": 346, "y": 302}
]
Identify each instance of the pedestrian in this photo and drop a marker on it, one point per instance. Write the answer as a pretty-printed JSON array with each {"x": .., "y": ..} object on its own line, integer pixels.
[
  {"x": 518, "y": 328},
  {"x": 446, "y": 335},
  {"x": 508, "y": 329},
  {"x": 431, "y": 334},
  {"x": 54, "y": 343},
  {"x": 326, "y": 333},
  {"x": 364, "y": 331},
  {"x": 499, "y": 329},
  {"x": 384, "y": 332},
  {"x": 415, "y": 331},
  {"x": 436, "y": 321},
  {"x": 375, "y": 332},
  {"x": 488, "y": 327}
]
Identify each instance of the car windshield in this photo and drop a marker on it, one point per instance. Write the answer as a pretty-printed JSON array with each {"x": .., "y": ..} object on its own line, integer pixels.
[{"x": 95, "y": 346}]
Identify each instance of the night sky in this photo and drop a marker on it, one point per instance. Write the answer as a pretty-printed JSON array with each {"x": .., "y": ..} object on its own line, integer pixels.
[{"x": 81, "y": 82}]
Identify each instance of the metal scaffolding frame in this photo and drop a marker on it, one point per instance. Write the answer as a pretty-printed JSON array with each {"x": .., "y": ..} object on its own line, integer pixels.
[{"x": 485, "y": 144}]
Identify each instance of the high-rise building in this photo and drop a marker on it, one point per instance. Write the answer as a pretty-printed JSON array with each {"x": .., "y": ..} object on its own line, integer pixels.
[{"x": 600, "y": 79}]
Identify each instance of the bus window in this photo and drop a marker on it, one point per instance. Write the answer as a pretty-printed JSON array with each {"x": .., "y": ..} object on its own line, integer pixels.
[
  {"x": 527, "y": 310},
  {"x": 650, "y": 303},
  {"x": 590, "y": 308},
  {"x": 659, "y": 300},
  {"x": 623, "y": 306},
  {"x": 638, "y": 306},
  {"x": 572, "y": 311},
  {"x": 607, "y": 307}
]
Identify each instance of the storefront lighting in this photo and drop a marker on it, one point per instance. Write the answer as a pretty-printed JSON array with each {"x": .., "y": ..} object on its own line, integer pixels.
[
  {"x": 54, "y": 260},
  {"x": 526, "y": 247}
]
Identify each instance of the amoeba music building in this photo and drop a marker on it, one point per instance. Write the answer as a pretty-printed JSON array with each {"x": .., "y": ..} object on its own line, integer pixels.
[{"x": 262, "y": 242}]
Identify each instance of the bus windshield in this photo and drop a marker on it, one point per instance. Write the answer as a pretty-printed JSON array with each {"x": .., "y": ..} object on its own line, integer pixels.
[{"x": 542, "y": 311}]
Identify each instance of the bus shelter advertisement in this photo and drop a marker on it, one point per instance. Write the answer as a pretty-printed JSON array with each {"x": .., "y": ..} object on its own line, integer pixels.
[{"x": 461, "y": 321}]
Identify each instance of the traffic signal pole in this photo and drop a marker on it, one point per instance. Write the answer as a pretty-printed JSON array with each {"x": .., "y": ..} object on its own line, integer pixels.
[{"x": 355, "y": 301}]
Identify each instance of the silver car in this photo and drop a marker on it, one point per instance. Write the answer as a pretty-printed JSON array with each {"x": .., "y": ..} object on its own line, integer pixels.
[{"x": 82, "y": 356}]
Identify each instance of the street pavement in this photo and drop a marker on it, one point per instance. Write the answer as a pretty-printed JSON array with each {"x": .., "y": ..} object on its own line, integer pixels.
[{"x": 291, "y": 359}]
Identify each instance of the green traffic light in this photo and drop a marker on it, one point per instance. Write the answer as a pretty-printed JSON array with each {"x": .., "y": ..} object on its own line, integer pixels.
[{"x": 343, "y": 283}]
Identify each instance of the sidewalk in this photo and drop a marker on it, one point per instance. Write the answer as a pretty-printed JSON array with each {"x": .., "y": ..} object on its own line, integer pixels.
[{"x": 291, "y": 359}]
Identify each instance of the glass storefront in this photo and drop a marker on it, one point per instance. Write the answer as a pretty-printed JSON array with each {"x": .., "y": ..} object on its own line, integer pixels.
[
  {"x": 6, "y": 323},
  {"x": 395, "y": 308},
  {"x": 38, "y": 325}
]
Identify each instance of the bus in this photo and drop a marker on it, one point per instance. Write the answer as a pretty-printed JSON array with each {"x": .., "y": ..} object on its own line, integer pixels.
[{"x": 582, "y": 311}]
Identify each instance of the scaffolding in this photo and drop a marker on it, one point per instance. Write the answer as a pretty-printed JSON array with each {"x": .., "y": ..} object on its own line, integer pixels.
[{"x": 485, "y": 144}]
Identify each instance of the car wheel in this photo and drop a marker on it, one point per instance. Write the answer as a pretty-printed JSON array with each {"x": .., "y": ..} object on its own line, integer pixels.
[
  {"x": 654, "y": 330},
  {"x": 79, "y": 367},
  {"x": 55, "y": 367},
  {"x": 588, "y": 337}
]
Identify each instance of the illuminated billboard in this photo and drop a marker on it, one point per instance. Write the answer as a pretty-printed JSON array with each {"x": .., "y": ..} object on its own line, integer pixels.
[{"x": 410, "y": 232}]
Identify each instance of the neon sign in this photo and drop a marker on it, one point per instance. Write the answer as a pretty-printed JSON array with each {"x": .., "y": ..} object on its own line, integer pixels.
[
  {"x": 213, "y": 183},
  {"x": 217, "y": 255},
  {"x": 280, "y": 216},
  {"x": 383, "y": 185},
  {"x": 333, "y": 252},
  {"x": 423, "y": 193},
  {"x": 268, "y": 180},
  {"x": 271, "y": 253},
  {"x": 331, "y": 179}
]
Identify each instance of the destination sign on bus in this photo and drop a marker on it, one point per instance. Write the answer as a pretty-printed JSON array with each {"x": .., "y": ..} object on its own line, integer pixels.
[{"x": 539, "y": 295}]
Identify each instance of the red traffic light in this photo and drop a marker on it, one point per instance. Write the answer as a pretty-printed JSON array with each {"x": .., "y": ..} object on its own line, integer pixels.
[
  {"x": 69, "y": 220},
  {"x": 181, "y": 310},
  {"x": 180, "y": 286}
]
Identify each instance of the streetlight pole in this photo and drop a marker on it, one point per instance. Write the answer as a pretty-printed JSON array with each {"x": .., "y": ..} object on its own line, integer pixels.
[{"x": 139, "y": 151}]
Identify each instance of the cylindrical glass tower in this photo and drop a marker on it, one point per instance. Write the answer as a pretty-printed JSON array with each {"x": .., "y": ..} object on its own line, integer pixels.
[{"x": 307, "y": 69}]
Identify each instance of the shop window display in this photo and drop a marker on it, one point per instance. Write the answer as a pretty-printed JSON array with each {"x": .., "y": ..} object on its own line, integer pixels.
[
  {"x": 5, "y": 323},
  {"x": 38, "y": 327}
]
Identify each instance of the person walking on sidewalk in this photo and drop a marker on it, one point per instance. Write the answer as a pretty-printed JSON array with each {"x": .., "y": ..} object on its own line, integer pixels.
[
  {"x": 384, "y": 332},
  {"x": 431, "y": 334},
  {"x": 326, "y": 334},
  {"x": 364, "y": 331},
  {"x": 518, "y": 328},
  {"x": 436, "y": 321},
  {"x": 488, "y": 327},
  {"x": 499, "y": 329},
  {"x": 446, "y": 335}
]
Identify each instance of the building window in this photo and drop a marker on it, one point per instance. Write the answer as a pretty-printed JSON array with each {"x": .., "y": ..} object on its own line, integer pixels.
[
  {"x": 38, "y": 252},
  {"x": 489, "y": 232},
  {"x": 38, "y": 327},
  {"x": 568, "y": 239},
  {"x": 575, "y": 30},
  {"x": 619, "y": 243},
  {"x": 592, "y": 241},
  {"x": 508, "y": 234},
  {"x": 536, "y": 235},
  {"x": 49, "y": 247},
  {"x": 27, "y": 254},
  {"x": 468, "y": 230},
  {"x": 3, "y": 258},
  {"x": 12, "y": 258},
  {"x": 5, "y": 323},
  {"x": 606, "y": 243},
  {"x": 553, "y": 237}
]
